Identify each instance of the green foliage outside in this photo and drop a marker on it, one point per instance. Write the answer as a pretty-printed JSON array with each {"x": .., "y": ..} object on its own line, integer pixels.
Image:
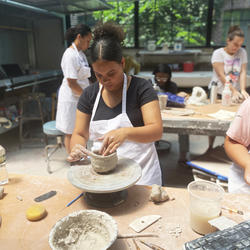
[{"x": 161, "y": 20}]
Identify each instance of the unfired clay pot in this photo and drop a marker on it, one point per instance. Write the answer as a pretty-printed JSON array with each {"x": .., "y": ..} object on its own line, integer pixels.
[{"x": 103, "y": 164}]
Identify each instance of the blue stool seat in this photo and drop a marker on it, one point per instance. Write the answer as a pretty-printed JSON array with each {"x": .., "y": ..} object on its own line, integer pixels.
[{"x": 49, "y": 128}]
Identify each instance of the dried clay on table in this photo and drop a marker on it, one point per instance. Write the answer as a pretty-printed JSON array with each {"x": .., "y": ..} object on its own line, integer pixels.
[{"x": 158, "y": 194}]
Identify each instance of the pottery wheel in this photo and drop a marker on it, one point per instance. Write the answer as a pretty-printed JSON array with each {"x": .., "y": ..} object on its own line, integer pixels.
[{"x": 125, "y": 175}]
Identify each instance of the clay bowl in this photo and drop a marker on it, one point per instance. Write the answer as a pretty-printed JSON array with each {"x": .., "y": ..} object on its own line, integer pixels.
[
  {"x": 84, "y": 229},
  {"x": 103, "y": 164}
]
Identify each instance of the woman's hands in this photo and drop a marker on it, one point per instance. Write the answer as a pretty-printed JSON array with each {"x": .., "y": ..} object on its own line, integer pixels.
[
  {"x": 112, "y": 140},
  {"x": 247, "y": 174},
  {"x": 237, "y": 97},
  {"x": 77, "y": 153},
  {"x": 244, "y": 93}
]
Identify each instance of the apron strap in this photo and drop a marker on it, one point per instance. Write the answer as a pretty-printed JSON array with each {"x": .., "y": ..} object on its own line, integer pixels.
[
  {"x": 124, "y": 94},
  {"x": 96, "y": 102},
  {"x": 124, "y": 97}
]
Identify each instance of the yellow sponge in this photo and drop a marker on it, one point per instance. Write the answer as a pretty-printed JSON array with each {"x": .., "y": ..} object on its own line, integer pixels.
[{"x": 35, "y": 212}]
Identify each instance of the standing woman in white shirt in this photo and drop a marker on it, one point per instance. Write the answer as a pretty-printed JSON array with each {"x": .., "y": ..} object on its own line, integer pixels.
[
  {"x": 230, "y": 64},
  {"x": 76, "y": 72}
]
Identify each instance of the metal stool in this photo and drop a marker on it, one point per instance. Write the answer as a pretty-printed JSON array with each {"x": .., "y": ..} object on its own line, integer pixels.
[
  {"x": 24, "y": 117},
  {"x": 53, "y": 105},
  {"x": 49, "y": 128}
]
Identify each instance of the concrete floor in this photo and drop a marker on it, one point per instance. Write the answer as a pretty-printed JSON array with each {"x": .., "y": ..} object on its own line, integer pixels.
[{"x": 30, "y": 159}]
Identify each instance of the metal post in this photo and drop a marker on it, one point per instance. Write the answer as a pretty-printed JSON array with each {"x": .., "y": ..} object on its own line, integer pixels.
[
  {"x": 136, "y": 24},
  {"x": 209, "y": 22}
]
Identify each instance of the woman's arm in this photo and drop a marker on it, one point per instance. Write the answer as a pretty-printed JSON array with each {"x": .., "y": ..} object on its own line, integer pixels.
[
  {"x": 150, "y": 132},
  {"x": 79, "y": 137},
  {"x": 81, "y": 131},
  {"x": 219, "y": 69},
  {"x": 243, "y": 80},
  {"x": 75, "y": 87},
  {"x": 238, "y": 154}
]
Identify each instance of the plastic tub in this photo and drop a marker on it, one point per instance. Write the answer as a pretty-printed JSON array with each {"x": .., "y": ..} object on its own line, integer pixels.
[{"x": 188, "y": 66}]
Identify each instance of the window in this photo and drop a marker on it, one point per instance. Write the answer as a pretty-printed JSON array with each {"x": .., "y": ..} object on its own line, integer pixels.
[{"x": 165, "y": 21}]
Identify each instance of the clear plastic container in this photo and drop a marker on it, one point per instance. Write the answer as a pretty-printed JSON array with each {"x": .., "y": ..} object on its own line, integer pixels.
[
  {"x": 205, "y": 199},
  {"x": 3, "y": 170},
  {"x": 163, "y": 98}
]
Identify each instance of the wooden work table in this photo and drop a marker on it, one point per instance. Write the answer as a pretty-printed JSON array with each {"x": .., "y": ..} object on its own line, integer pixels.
[
  {"x": 198, "y": 123},
  {"x": 16, "y": 232}
]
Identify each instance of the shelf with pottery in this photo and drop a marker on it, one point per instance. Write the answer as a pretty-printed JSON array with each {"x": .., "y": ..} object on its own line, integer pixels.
[
  {"x": 188, "y": 79},
  {"x": 149, "y": 58}
]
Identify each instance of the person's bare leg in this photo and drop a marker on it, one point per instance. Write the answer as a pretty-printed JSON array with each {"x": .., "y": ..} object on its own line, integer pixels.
[{"x": 67, "y": 138}]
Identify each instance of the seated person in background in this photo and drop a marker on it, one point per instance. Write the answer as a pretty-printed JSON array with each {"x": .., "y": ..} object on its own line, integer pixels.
[
  {"x": 163, "y": 74},
  {"x": 237, "y": 147}
]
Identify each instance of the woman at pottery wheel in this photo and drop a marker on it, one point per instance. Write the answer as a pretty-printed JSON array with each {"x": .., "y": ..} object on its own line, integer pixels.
[{"x": 122, "y": 112}]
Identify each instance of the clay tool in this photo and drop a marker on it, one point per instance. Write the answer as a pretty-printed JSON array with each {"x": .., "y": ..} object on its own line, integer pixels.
[
  {"x": 141, "y": 223},
  {"x": 233, "y": 210},
  {"x": 152, "y": 246},
  {"x": 80, "y": 195},
  {"x": 126, "y": 236},
  {"x": 136, "y": 246},
  {"x": 45, "y": 196}
]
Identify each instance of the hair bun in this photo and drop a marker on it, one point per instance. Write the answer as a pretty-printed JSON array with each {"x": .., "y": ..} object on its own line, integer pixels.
[
  {"x": 109, "y": 30},
  {"x": 234, "y": 28}
]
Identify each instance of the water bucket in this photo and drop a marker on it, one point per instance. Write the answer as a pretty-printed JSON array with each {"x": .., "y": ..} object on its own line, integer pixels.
[{"x": 188, "y": 66}]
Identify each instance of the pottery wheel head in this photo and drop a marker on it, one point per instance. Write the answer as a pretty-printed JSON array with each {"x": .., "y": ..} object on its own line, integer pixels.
[{"x": 126, "y": 174}]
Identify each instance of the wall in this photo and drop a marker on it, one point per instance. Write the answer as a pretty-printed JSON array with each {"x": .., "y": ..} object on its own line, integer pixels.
[
  {"x": 29, "y": 38},
  {"x": 49, "y": 43},
  {"x": 13, "y": 41}
]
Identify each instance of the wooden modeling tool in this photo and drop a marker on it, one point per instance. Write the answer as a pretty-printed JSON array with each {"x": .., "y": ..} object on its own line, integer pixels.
[
  {"x": 127, "y": 236},
  {"x": 152, "y": 246},
  {"x": 136, "y": 246},
  {"x": 233, "y": 210}
]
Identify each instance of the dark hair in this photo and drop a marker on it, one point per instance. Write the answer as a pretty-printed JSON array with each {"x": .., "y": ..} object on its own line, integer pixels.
[
  {"x": 107, "y": 42},
  {"x": 163, "y": 68},
  {"x": 72, "y": 32},
  {"x": 234, "y": 31}
]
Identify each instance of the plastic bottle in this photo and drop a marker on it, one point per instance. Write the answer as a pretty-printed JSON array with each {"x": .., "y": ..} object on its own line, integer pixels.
[
  {"x": 155, "y": 86},
  {"x": 3, "y": 171},
  {"x": 213, "y": 93},
  {"x": 226, "y": 95}
]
